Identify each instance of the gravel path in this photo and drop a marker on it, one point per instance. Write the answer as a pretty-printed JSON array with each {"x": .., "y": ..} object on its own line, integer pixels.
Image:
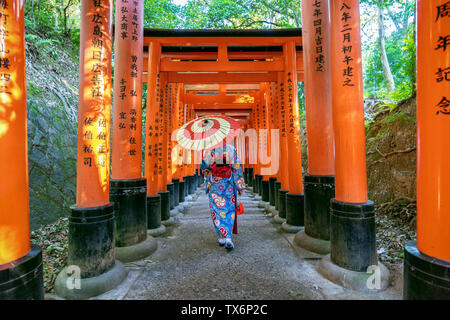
[{"x": 189, "y": 264}]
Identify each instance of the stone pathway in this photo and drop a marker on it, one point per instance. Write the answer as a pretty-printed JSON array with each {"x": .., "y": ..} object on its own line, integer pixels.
[{"x": 265, "y": 264}]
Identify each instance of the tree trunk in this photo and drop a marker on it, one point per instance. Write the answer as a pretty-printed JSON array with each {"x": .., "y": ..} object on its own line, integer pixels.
[{"x": 389, "y": 78}]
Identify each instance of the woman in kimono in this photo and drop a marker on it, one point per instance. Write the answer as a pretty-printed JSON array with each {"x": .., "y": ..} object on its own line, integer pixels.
[{"x": 224, "y": 180}]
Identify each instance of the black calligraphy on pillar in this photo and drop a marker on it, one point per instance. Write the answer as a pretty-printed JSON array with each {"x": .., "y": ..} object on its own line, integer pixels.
[
  {"x": 282, "y": 110},
  {"x": 96, "y": 54},
  {"x": 318, "y": 36},
  {"x": 290, "y": 102},
  {"x": 135, "y": 22},
  {"x": 124, "y": 20},
  {"x": 443, "y": 72},
  {"x": 348, "y": 71},
  {"x": 169, "y": 122},
  {"x": 443, "y": 11},
  {"x": 5, "y": 59}
]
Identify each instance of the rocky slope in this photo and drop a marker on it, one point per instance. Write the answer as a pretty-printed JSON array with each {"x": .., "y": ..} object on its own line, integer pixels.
[{"x": 52, "y": 107}]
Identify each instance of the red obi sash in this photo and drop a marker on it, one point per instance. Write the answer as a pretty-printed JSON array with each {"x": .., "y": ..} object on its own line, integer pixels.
[{"x": 220, "y": 171}]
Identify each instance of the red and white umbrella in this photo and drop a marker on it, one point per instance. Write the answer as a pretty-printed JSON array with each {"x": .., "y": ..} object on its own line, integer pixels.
[{"x": 207, "y": 132}]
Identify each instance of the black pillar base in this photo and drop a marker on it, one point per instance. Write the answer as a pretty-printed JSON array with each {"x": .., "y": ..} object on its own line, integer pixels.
[
  {"x": 295, "y": 209},
  {"x": 154, "y": 226},
  {"x": 245, "y": 175},
  {"x": 176, "y": 192},
  {"x": 256, "y": 184},
  {"x": 260, "y": 185},
  {"x": 265, "y": 191},
  {"x": 425, "y": 277},
  {"x": 153, "y": 212},
  {"x": 282, "y": 203},
  {"x": 194, "y": 181},
  {"x": 91, "y": 239},
  {"x": 22, "y": 279},
  {"x": 181, "y": 192},
  {"x": 272, "y": 190},
  {"x": 170, "y": 189},
  {"x": 186, "y": 185},
  {"x": 319, "y": 190},
  {"x": 192, "y": 184},
  {"x": 250, "y": 177},
  {"x": 129, "y": 198},
  {"x": 199, "y": 181},
  {"x": 277, "y": 187},
  {"x": 165, "y": 205},
  {"x": 352, "y": 235}
]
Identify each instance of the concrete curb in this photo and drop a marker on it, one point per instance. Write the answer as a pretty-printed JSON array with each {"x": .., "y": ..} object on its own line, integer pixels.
[
  {"x": 287, "y": 228},
  {"x": 311, "y": 244},
  {"x": 262, "y": 204},
  {"x": 90, "y": 287},
  {"x": 169, "y": 222},
  {"x": 157, "y": 231},
  {"x": 269, "y": 209},
  {"x": 138, "y": 251},
  {"x": 184, "y": 206},
  {"x": 354, "y": 280},
  {"x": 279, "y": 220},
  {"x": 177, "y": 218}
]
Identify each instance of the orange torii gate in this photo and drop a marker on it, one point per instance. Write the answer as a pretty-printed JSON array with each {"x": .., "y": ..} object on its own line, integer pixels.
[
  {"x": 202, "y": 57},
  {"x": 338, "y": 219}
]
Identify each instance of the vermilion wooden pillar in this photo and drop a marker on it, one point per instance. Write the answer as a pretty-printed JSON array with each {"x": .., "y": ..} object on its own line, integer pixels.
[
  {"x": 427, "y": 263},
  {"x": 175, "y": 126},
  {"x": 152, "y": 124},
  {"x": 163, "y": 139},
  {"x": 128, "y": 188},
  {"x": 163, "y": 147},
  {"x": 319, "y": 181},
  {"x": 352, "y": 225},
  {"x": 273, "y": 146},
  {"x": 278, "y": 157},
  {"x": 94, "y": 115},
  {"x": 295, "y": 197},
  {"x": 284, "y": 164},
  {"x": 186, "y": 157},
  {"x": 174, "y": 154},
  {"x": 152, "y": 143},
  {"x": 264, "y": 149},
  {"x": 126, "y": 161},
  {"x": 258, "y": 126},
  {"x": 190, "y": 161},
  {"x": 181, "y": 166},
  {"x": 169, "y": 109},
  {"x": 250, "y": 146},
  {"x": 274, "y": 131},
  {"x": 282, "y": 121},
  {"x": 169, "y": 115},
  {"x": 17, "y": 258},
  {"x": 91, "y": 221}
]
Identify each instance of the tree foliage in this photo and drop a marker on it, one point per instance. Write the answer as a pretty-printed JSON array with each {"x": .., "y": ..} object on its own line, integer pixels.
[
  {"x": 399, "y": 20},
  {"x": 230, "y": 14}
]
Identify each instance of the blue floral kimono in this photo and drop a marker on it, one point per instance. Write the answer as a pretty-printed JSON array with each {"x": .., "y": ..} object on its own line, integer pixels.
[{"x": 223, "y": 191}]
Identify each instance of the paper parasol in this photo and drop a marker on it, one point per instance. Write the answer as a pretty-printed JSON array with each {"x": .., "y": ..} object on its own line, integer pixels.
[{"x": 207, "y": 132}]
